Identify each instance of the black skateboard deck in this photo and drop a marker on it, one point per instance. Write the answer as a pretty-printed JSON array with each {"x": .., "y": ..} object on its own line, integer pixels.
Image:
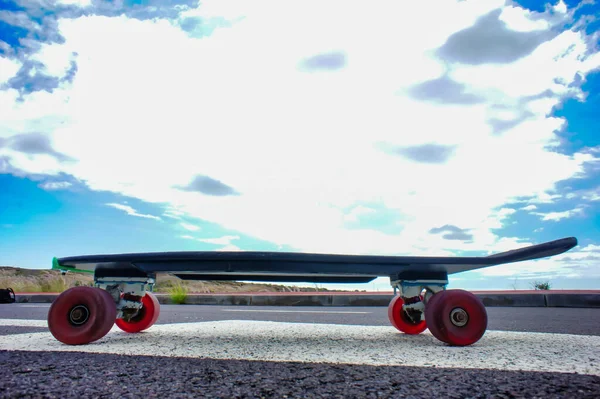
[{"x": 297, "y": 267}]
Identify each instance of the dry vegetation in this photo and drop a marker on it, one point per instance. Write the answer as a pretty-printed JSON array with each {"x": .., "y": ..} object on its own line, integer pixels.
[
  {"x": 27, "y": 280},
  {"x": 30, "y": 280}
]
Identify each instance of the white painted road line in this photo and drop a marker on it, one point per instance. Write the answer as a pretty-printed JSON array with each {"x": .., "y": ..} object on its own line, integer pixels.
[
  {"x": 330, "y": 343},
  {"x": 292, "y": 311},
  {"x": 47, "y": 305},
  {"x": 23, "y": 323}
]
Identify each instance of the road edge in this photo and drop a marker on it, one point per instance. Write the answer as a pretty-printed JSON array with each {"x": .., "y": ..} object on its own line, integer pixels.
[{"x": 578, "y": 299}]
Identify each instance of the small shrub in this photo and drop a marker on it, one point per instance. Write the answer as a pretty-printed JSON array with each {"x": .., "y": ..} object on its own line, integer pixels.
[
  {"x": 54, "y": 285},
  {"x": 541, "y": 285},
  {"x": 178, "y": 293}
]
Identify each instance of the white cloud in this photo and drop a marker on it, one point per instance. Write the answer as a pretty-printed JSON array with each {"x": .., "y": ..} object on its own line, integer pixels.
[
  {"x": 595, "y": 196},
  {"x": 591, "y": 248},
  {"x": 529, "y": 208},
  {"x": 56, "y": 58},
  {"x": 189, "y": 227},
  {"x": 556, "y": 216},
  {"x": 79, "y": 3},
  {"x": 589, "y": 195},
  {"x": 561, "y": 57},
  {"x": 8, "y": 69},
  {"x": 60, "y": 185},
  {"x": 225, "y": 240},
  {"x": 130, "y": 211},
  {"x": 303, "y": 149},
  {"x": 545, "y": 198},
  {"x": 229, "y": 248},
  {"x": 173, "y": 213},
  {"x": 357, "y": 212}
]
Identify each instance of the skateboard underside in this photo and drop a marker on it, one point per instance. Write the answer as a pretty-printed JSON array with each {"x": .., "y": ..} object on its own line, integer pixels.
[{"x": 296, "y": 267}]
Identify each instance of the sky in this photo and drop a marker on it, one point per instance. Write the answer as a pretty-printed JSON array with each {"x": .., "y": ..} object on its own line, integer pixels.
[{"x": 441, "y": 129}]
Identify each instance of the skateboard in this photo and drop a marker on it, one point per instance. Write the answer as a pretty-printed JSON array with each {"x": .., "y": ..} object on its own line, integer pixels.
[{"x": 123, "y": 284}]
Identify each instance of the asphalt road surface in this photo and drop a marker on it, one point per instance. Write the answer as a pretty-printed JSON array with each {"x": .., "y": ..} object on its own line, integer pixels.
[
  {"x": 277, "y": 352},
  {"x": 581, "y": 321}
]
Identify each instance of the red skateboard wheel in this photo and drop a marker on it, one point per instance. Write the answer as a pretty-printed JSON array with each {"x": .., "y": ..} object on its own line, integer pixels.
[
  {"x": 400, "y": 320},
  {"x": 430, "y": 314},
  {"x": 81, "y": 315},
  {"x": 145, "y": 318},
  {"x": 456, "y": 317}
]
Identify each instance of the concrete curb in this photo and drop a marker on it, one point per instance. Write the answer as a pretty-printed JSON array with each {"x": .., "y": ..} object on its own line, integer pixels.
[{"x": 573, "y": 299}]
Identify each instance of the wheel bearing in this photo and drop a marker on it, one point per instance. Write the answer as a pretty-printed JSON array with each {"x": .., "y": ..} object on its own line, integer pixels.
[
  {"x": 78, "y": 315},
  {"x": 459, "y": 317}
]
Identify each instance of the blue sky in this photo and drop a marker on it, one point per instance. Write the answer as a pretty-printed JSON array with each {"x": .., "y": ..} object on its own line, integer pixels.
[{"x": 173, "y": 125}]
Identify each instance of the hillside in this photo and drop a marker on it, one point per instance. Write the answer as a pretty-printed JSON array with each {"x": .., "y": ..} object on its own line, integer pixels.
[{"x": 47, "y": 280}]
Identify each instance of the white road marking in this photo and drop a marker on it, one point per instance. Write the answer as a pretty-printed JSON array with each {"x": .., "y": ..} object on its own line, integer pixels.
[
  {"x": 23, "y": 323},
  {"x": 292, "y": 311},
  {"x": 330, "y": 343},
  {"x": 34, "y": 306}
]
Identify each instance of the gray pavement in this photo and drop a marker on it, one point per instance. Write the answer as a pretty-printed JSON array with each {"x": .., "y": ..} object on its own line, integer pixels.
[
  {"x": 78, "y": 375},
  {"x": 580, "y": 321},
  {"x": 57, "y": 373}
]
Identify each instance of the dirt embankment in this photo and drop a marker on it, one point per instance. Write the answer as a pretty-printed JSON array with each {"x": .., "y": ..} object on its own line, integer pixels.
[{"x": 44, "y": 280}]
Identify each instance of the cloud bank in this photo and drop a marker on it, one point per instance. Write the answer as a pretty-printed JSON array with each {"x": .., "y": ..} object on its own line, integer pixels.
[{"x": 268, "y": 118}]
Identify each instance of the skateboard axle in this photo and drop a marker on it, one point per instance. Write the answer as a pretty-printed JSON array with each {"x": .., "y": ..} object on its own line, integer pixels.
[
  {"x": 127, "y": 292},
  {"x": 415, "y": 294}
]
